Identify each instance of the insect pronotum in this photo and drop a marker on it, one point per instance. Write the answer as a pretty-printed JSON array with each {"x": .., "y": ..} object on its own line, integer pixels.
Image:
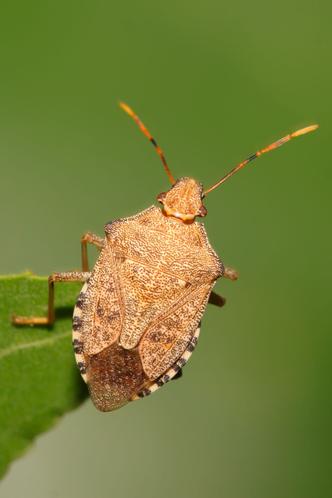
[{"x": 137, "y": 318}]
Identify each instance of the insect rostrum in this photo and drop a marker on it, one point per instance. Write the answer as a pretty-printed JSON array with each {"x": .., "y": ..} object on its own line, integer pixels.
[{"x": 136, "y": 320}]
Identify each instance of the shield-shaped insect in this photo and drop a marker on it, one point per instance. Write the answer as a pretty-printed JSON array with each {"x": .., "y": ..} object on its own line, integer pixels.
[{"x": 137, "y": 319}]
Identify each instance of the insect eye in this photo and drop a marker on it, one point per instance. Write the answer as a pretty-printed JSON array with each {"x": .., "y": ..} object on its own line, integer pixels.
[{"x": 161, "y": 197}]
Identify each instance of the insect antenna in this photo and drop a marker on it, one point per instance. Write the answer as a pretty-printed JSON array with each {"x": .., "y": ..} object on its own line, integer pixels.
[
  {"x": 272, "y": 146},
  {"x": 146, "y": 132}
]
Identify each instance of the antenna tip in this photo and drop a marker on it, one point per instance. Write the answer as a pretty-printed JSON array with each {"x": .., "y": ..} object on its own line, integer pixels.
[
  {"x": 305, "y": 130},
  {"x": 126, "y": 108}
]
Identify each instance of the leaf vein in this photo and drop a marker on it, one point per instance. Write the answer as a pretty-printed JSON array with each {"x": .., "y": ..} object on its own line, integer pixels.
[{"x": 47, "y": 341}]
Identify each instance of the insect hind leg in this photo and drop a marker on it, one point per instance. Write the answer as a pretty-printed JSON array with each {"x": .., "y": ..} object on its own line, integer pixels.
[{"x": 72, "y": 276}]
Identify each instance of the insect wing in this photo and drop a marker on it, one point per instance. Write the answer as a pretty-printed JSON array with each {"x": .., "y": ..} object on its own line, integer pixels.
[
  {"x": 167, "y": 338},
  {"x": 101, "y": 307}
]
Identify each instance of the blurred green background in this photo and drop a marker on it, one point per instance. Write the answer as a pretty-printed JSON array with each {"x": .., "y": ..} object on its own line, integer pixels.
[{"x": 214, "y": 81}]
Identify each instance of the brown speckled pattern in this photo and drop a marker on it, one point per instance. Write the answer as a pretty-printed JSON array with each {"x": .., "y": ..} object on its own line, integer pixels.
[
  {"x": 140, "y": 309},
  {"x": 184, "y": 199},
  {"x": 113, "y": 376},
  {"x": 173, "y": 371}
]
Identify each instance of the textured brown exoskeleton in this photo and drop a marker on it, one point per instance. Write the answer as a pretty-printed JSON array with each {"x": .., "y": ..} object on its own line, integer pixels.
[{"x": 136, "y": 321}]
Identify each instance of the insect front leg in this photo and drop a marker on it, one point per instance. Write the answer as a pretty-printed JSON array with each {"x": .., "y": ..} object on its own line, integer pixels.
[
  {"x": 89, "y": 238},
  {"x": 215, "y": 298},
  {"x": 230, "y": 273},
  {"x": 73, "y": 276}
]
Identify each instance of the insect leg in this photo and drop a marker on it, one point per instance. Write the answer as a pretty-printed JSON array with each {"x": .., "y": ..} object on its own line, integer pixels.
[
  {"x": 73, "y": 276},
  {"x": 216, "y": 299},
  {"x": 90, "y": 238},
  {"x": 230, "y": 273}
]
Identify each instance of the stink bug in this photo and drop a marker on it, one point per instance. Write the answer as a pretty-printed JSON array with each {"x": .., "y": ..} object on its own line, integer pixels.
[{"x": 136, "y": 321}]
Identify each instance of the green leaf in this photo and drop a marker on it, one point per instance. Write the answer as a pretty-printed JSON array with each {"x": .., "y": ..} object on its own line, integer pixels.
[{"x": 39, "y": 380}]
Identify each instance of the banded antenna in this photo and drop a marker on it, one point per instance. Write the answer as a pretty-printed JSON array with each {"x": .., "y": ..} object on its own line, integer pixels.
[
  {"x": 146, "y": 132},
  {"x": 272, "y": 146}
]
